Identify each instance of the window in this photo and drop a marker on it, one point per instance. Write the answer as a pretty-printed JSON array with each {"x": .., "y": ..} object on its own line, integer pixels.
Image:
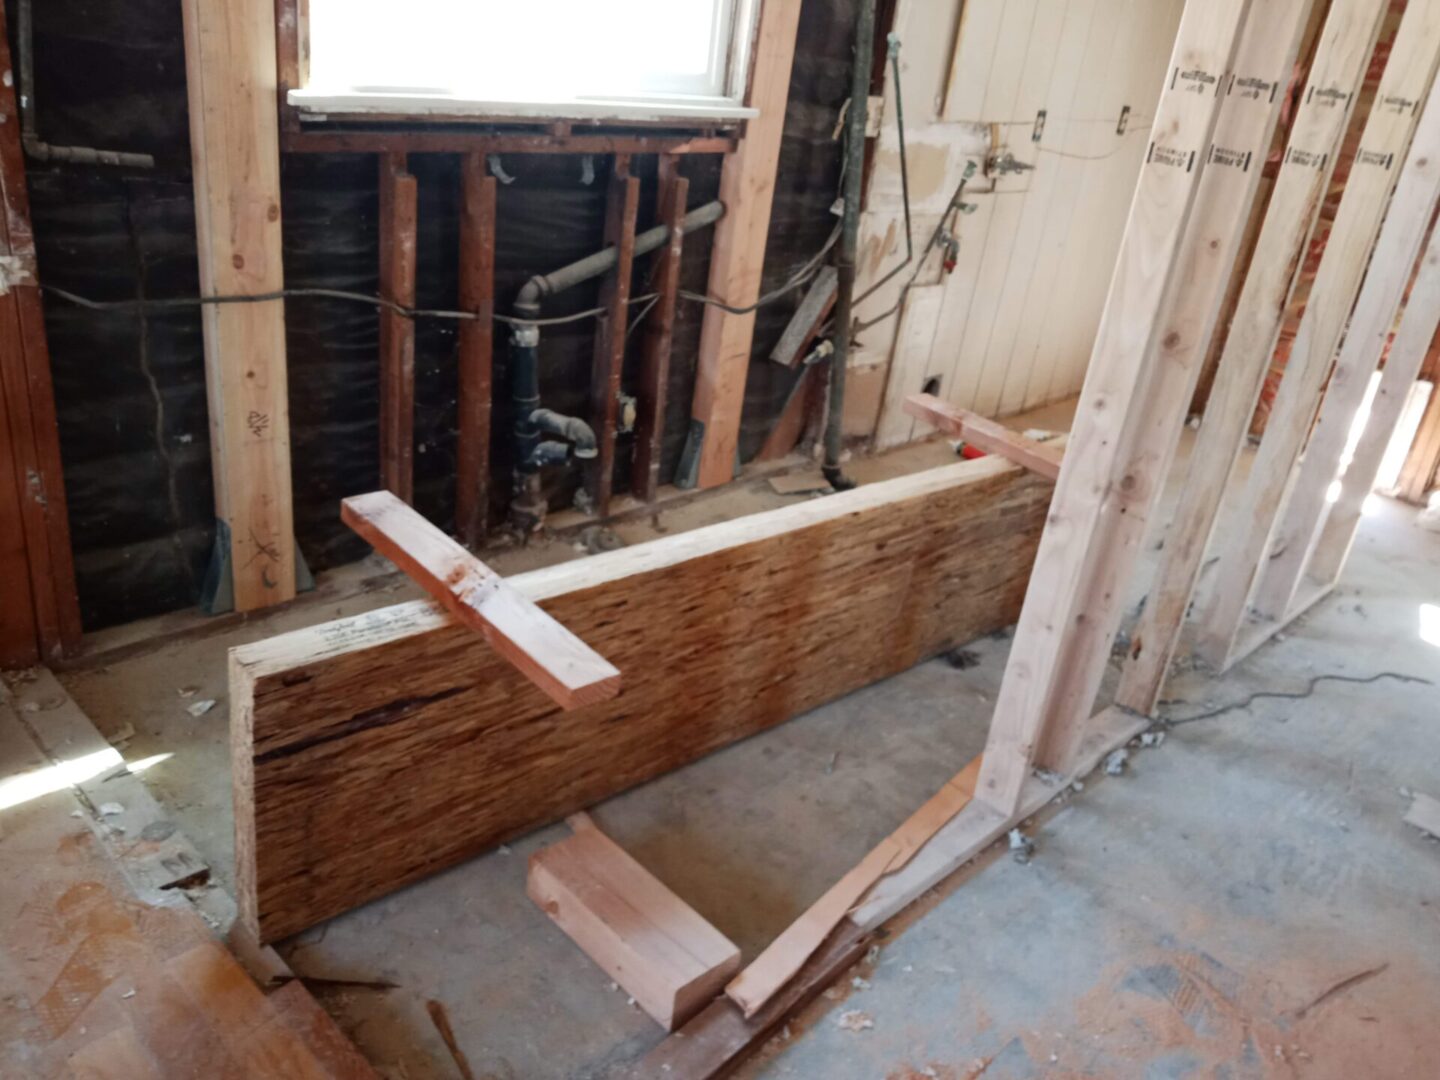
[{"x": 564, "y": 58}]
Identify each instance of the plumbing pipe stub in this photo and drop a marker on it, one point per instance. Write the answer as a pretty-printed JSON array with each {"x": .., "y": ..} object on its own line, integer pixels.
[{"x": 525, "y": 335}]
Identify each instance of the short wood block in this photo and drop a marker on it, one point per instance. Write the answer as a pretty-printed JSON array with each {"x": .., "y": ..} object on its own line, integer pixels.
[{"x": 668, "y": 958}]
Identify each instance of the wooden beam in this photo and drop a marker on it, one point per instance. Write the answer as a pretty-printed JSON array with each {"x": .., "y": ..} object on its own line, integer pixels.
[
  {"x": 802, "y": 329},
  {"x": 475, "y": 350},
  {"x": 764, "y": 976},
  {"x": 673, "y": 197},
  {"x": 1391, "y": 269},
  {"x": 465, "y": 140},
  {"x": 1126, "y": 422},
  {"x": 230, "y": 65},
  {"x": 986, "y": 434},
  {"x": 39, "y": 583},
  {"x": 747, "y": 188},
  {"x": 1336, "y": 74},
  {"x": 1422, "y": 464},
  {"x": 400, "y": 726},
  {"x": 652, "y": 943},
  {"x": 399, "y": 195},
  {"x": 804, "y": 405},
  {"x": 1387, "y": 134},
  {"x": 611, "y": 331},
  {"x": 569, "y": 672},
  {"x": 19, "y": 640}
]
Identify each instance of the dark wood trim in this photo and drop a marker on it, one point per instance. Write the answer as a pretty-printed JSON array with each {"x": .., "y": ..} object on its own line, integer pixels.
[
  {"x": 655, "y": 362},
  {"x": 610, "y": 330},
  {"x": 333, "y": 141},
  {"x": 398, "y": 205},
  {"x": 476, "y": 351}
]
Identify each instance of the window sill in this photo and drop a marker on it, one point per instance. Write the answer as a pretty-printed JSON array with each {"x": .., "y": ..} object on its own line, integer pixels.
[{"x": 317, "y": 105}]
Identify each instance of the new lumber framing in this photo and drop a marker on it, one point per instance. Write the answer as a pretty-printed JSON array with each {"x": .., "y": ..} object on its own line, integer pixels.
[
  {"x": 1336, "y": 74},
  {"x": 402, "y": 727},
  {"x": 985, "y": 434},
  {"x": 568, "y": 671},
  {"x": 1422, "y": 464},
  {"x": 399, "y": 197},
  {"x": 230, "y": 63},
  {"x": 1129, "y": 418},
  {"x": 1388, "y": 131},
  {"x": 747, "y": 188},
  {"x": 1391, "y": 270},
  {"x": 37, "y": 571}
]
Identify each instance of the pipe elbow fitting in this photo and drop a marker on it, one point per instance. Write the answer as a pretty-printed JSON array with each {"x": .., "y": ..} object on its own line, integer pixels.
[
  {"x": 577, "y": 431},
  {"x": 546, "y": 453}
]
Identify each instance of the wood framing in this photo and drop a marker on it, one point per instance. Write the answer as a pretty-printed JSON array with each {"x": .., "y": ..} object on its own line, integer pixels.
[
  {"x": 1388, "y": 130},
  {"x": 569, "y": 672},
  {"x": 611, "y": 330},
  {"x": 401, "y": 726},
  {"x": 1336, "y": 73},
  {"x": 1422, "y": 464},
  {"x": 234, "y": 143},
  {"x": 747, "y": 188},
  {"x": 399, "y": 196},
  {"x": 1129, "y": 417},
  {"x": 672, "y": 199},
  {"x": 652, "y": 943},
  {"x": 475, "y": 350},
  {"x": 985, "y": 434},
  {"x": 37, "y": 571},
  {"x": 1391, "y": 269}
]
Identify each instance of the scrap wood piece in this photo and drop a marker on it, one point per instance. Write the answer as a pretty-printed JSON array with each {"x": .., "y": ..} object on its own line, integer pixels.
[
  {"x": 987, "y": 434},
  {"x": 665, "y": 955},
  {"x": 805, "y": 324},
  {"x": 774, "y": 967},
  {"x": 1424, "y": 813},
  {"x": 554, "y": 659}
]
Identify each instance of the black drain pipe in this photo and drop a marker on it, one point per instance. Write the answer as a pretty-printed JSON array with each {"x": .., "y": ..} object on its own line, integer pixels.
[
  {"x": 849, "y": 242},
  {"x": 532, "y": 453}
]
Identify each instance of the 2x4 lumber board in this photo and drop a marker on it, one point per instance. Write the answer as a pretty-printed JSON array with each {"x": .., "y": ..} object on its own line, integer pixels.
[
  {"x": 399, "y": 726},
  {"x": 1417, "y": 329},
  {"x": 772, "y": 969},
  {"x": 569, "y": 672},
  {"x": 1063, "y": 636},
  {"x": 805, "y": 401},
  {"x": 747, "y": 188},
  {"x": 659, "y": 331},
  {"x": 1336, "y": 74},
  {"x": 653, "y": 944},
  {"x": 19, "y": 640},
  {"x": 1388, "y": 130},
  {"x": 29, "y": 401},
  {"x": 234, "y": 144},
  {"x": 476, "y": 350},
  {"x": 611, "y": 329},
  {"x": 398, "y": 218},
  {"x": 819, "y": 301},
  {"x": 1422, "y": 463},
  {"x": 985, "y": 434},
  {"x": 1392, "y": 266}
]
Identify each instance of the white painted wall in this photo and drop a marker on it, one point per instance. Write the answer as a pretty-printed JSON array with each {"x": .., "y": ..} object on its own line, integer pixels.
[{"x": 1014, "y": 323}]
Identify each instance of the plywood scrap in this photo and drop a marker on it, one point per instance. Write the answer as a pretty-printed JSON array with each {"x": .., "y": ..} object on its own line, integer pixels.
[
  {"x": 987, "y": 434},
  {"x": 394, "y": 725},
  {"x": 774, "y": 967},
  {"x": 554, "y": 659},
  {"x": 664, "y": 954},
  {"x": 1424, "y": 813}
]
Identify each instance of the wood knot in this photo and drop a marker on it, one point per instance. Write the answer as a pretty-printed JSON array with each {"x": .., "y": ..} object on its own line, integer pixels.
[
  {"x": 1172, "y": 339},
  {"x": 237, "y": 261},
  {"x": 273, "y": 214}
]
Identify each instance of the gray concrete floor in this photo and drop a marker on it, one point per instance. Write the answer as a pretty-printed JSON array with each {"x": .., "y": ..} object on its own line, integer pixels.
[{"x": 1175, "y": 922}]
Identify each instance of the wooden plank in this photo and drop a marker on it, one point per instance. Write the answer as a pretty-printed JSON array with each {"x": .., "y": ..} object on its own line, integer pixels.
[
  {"x": 1335, "y": 77},
  {"x": 1391, "y": 269},
  {"x": 819, "y": 301},
  {"x": 19, "y": 637},
  {"x": 336, "y": 1054},
  {"x": 1418, "y": 474},
  {"x": 1383, "y": 144},
  {"x": 29, "y": 400},
  {"x": 979, "y": 431},
  {"x": 399, "y": 194},
  {"x": 772, "y": 969},
  {"x": 804, "y": 404},
  {"x": 674, "y": 196},
  {"x": 234, "y": 143},
  {"x": 475, "y": 351},
  {"x": 399, "y": 726},
  {"x": 664, "y": 954},
  {"x": 611, "y": 329},
  {"x": 1071, "y": 610},
  {"x": 118, "y": 1055},
  {"x": 570, "y": 672},
  {"x": 747, "y": 188}
]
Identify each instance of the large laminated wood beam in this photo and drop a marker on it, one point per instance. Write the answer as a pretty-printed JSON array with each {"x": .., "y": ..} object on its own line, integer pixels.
[
  {"x": 747, "y": 188},
  {"x": 569, "y": 672},
  {"x": 1336, "y": 74},
  {"x": 1383, "y": 145},
  {"x": 401, "y": 727},
  {"x": 234, "y": 143},
  {"x": 1129, "y": 418}
]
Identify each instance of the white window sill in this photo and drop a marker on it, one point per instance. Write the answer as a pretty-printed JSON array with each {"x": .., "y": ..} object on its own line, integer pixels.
[{"x": 317, "y": 104}]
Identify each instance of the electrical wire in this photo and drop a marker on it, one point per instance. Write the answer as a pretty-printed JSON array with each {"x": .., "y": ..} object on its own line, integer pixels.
[{"x": 1296, "y": 695}]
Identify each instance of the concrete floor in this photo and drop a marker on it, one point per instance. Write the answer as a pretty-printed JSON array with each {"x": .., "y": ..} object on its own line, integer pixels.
[{"x": 1175, "y": 922}]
